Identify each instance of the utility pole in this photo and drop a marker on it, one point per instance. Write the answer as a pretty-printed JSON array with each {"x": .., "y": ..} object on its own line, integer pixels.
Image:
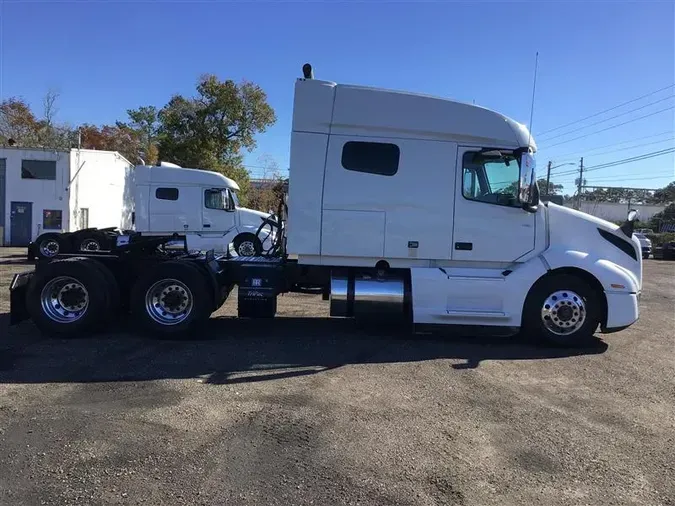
[
  {"x": 548, "y": 177},
  {"x": 581, "y": 183}
]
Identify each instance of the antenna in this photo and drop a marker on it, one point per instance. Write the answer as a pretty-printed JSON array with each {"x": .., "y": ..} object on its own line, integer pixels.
[{"x": 534, "y": 87}]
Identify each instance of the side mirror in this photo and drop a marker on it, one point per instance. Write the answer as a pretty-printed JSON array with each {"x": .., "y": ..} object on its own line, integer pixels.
[
  {"x": 629, "y": 225},
  {"x": 528, "y": 194}
]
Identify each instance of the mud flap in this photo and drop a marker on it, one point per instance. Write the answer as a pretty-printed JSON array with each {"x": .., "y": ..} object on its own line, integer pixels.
[{"x": 18, "y": 311}]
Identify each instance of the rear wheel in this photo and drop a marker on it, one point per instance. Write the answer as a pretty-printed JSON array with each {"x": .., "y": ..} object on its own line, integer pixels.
[
  {"x": 48, "y": 246},
  {"x": 93, "y": 242},
  {"x": 173, "y": 298},
  {"x": 65, "y": 298},
  {"x": 562, "y": 310}
]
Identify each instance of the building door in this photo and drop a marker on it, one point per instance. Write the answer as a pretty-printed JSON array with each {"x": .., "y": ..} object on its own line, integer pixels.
[
  {"x": 84, "y": 218},
  {"x": 3, "y": 178},
  {"x": 20, "y": 223}
]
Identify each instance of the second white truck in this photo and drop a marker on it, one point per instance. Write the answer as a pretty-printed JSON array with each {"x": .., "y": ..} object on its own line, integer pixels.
[{"x": 167, "y": 199}]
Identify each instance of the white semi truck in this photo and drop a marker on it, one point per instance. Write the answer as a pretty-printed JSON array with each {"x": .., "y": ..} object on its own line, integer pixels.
[
  {"x": 167, "y": 199},
  {"x": 401, "y": 206}
]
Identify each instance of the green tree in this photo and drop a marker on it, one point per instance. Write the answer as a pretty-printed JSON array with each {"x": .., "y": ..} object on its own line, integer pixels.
[
  {"x": 664, "y": 195},
  {"x": 665, "y": 217},
  {"x": 210, "y": 130},
  {"x": 19, "y": 123},
  {"x": 553, "y": 189}
]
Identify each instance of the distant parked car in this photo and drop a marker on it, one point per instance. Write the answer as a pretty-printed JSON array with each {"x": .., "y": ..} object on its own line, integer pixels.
[
  {"x": 644, "y": 231},
  {"x": 645, "y": 244},
  {"x": 665, "y": 251}
]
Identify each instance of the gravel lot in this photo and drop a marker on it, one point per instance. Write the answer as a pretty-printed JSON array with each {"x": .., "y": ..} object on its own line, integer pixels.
[{"x": 318, "y": 411}]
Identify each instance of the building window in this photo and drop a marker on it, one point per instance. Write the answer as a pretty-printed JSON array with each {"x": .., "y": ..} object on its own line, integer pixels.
[
  {"x": 38, "y": 169},
  {"x": 371, "y": 157},
  {"x": 166, "y": 193},
  {"x": 51, "y": 219}
]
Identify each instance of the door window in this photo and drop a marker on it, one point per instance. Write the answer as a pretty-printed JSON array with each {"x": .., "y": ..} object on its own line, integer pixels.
[
  {"x": 216, "y": 199},
  {"x": 491, "y": 177}
]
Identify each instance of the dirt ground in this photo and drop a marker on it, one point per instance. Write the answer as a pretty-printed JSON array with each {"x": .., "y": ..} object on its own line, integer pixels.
[{"x": 317, "y": 411}]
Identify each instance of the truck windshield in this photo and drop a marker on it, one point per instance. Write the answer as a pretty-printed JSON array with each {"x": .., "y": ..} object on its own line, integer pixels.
[{"x": 491, "y": 178}]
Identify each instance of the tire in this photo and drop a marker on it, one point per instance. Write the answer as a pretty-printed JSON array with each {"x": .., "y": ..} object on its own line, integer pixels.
[
  {"x": 190, "y": 307},
  {"x": 76, "y": 302},
  {"x": 645, "y": 256},
  {"x": 92, "y": 242},
  {"x": 47, "y": 246},
  {"x": 247, "y": 245},
  {"x": 111, "y": 288},
  {"x": 562, "y": 310}
]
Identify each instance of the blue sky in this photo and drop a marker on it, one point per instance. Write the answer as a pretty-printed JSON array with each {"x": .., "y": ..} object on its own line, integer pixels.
[{"x": 104, "y": 57}]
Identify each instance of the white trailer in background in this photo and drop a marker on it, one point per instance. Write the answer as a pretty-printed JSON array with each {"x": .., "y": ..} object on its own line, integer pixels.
[{"x": 401, "y": 207}]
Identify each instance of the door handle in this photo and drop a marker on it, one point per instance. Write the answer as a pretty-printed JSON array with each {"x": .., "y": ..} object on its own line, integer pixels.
[
  {"x": 207, "y": 225},
  {"x": 464, "y": 246}
]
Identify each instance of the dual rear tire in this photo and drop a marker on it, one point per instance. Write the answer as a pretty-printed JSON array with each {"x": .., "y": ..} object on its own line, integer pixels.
[{"x": 74, "y": 296}]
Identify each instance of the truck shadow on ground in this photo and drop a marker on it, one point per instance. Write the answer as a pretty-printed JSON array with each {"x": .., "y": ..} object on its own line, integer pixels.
[{"x": 230, "y": 350}]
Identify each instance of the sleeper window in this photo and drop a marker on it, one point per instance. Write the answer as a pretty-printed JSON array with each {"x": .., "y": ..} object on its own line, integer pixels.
[
  {"x": 371, "y": 157},
  {"x": 492, "y": 179},
  {"x": 166, "y": 193}
]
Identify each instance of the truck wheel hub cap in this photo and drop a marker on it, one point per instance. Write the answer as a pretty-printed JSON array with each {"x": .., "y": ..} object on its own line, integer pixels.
[
  {"x": 563, "y": 312},
  {"x": 169, "y": 302},
  {"x": 64, "y": 299},
  {"x": 247, "y": 249},
  {"x": 90, "y": 245},
  {"x": 49, "y": 248}
]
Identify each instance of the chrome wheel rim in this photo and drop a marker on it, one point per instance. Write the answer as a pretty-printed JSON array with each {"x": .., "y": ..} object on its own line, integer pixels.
[
  {"x": 64, "y": 299},
  {"x": 90, "y": 245},
  {"x": 49, "y": 248},
  {"x": 169, "y": 302},
  {"x": 563, "y": 312},
  {"x": 246, "y": 249}
]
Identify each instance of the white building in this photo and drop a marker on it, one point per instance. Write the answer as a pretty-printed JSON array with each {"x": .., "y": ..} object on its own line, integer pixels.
[
  {"x": 62, "y": 191},
  {"x": 617, "y": 212}
]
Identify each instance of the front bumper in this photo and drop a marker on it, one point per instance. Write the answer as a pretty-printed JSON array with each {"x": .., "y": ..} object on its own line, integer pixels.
[{"x": 622, "y": 310}]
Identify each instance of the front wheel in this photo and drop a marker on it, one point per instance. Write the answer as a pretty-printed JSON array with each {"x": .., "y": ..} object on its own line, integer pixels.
[
  {"x": 563, "y": 310},
  {"x": 247, "y": 245}
]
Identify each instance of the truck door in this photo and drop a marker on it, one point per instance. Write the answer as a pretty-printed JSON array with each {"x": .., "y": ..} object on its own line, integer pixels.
[
  {"x": 489, "y": 225},
  {"x": 218, "y": 219}
]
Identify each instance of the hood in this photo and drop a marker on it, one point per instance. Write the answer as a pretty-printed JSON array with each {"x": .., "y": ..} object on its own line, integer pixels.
[
  {"x": 572, "y": 230},
  {"x": 250, "y": 217},
  {"x": 644, "y": 241}
]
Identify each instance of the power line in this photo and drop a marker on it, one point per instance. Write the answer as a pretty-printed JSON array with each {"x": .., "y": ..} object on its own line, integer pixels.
[
  {"x": 571, "y": 181},
  {"x": 606, "y": 110},
  {"x": 624, "y": 161},
  {"x": 669, "y": 132},
  {"x": 610, "y": 118},
  {"x": 613, "y": 126},
  {"x": 621, "y": 149},
  {"x": 632, "y": 159}
]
